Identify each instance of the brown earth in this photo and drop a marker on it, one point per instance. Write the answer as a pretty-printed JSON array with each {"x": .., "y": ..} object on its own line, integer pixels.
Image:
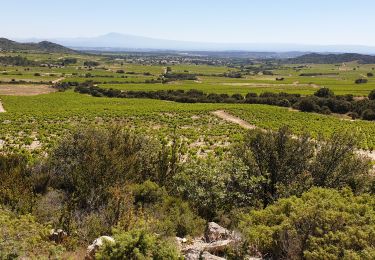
[{"x": 25, "y": 90}]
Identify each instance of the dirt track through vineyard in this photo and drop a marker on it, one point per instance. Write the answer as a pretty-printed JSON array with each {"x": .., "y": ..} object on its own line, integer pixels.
[
  {"x": 236, "y": 120},
  {"x": 233, "y": 119},
  {"x": 2, "y": 110}
]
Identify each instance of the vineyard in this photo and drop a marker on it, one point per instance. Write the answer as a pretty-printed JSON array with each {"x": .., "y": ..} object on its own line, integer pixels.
[{"x": 35, "y": 123}]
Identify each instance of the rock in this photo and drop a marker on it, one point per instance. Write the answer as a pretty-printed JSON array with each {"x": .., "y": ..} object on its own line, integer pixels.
[
  {"x": 219, "y": 246},
  {"x": 192, "y": 254},
  {"x": 57, "y": 235},
  {"x": 215, "y": 232},
  {"x": 207, "y": 256},
  {"x": 93, "y": 248}
]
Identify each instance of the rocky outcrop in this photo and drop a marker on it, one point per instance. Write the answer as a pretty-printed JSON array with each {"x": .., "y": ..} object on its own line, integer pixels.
[
  {"x": 93, "y": 248},
  {"x": 215, "y": 232},
  {"x": 214, "y": 243}
]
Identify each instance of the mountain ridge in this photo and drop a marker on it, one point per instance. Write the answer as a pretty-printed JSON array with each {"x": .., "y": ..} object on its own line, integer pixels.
[
  {"x": 129, "y": 41},
  {"x": 42, "y": 46},
  {"x": 318, "y": 58}
]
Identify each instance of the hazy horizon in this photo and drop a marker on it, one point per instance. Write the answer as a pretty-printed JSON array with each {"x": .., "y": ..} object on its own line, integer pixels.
[{"x": 344, "y": 22}]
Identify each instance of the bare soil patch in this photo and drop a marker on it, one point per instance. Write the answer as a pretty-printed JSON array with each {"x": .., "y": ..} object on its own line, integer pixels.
[
  {"x": 2, "y": 110},
  {"x": 25, "y": 90},
  {"x": 233, "y": 119}
]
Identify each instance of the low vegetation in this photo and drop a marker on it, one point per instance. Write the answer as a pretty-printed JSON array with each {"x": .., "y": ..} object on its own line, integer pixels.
[{"x": 118, "y": 182}]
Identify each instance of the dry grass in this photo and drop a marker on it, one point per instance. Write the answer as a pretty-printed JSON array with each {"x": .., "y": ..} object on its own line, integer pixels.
[{"x": 25, "y": 90}]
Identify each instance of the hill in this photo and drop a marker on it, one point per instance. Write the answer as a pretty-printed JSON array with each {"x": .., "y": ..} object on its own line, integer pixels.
[
  {"x": 332, "y": 58},
  {"x": 128, "y": 42},
  {"x": 44, "y": 46}
]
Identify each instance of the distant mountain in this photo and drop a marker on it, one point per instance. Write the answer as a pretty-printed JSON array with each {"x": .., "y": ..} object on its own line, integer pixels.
[
  {"x": 43, "y": 46},
  {"x": 332, "y": 58},
  {"x": 126, "y": 42}
]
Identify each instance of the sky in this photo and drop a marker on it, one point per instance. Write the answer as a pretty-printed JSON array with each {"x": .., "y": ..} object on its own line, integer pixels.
[{"x": 230, "y": 21}]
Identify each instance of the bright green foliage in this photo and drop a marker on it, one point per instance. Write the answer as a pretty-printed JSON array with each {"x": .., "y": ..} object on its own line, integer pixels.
[
  {"x": 213, "y": 186},
  {"x": 138, "y": 245},
  {"x": 322, "y": 224},
  {"x": 22, "y": 237}
]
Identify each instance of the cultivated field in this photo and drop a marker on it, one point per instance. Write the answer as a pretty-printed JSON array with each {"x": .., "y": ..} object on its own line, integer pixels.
[{"x": 35, "y": 116}]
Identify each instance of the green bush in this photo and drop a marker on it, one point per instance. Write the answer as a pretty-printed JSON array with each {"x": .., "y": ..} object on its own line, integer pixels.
[
  {"x": 371, "y": 96},
  {"x": 88, "y": 163},
  {"x": 169, "y": 216},
  {"x": 138, "y": 245},
  {"x": 322, "y": 224},
  {"x": 214, "y": 186},
  {"x": 22, "y": 237},
  {"x": 290, "y": 166}
]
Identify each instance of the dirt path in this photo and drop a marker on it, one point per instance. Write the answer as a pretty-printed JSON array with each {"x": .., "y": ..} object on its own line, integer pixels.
[
  {"x": 233, "y": 119},
  {"x": 2, "y": 110},
  {"x": 58, "y": 80},
  {"x": 236, "y": 120},
  {"x": 25, "y": 90}
]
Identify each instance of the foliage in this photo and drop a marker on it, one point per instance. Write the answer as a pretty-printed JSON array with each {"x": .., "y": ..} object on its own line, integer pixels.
[
  {"x": 91, "y": 161},
  {"x": 22, "y": 237},
  {"x": 138, "y": 245},
  {"x": 16, "y": 190},
  {"x": 292, "y": 165},
  {"x": 322, "y": 224},
  {"x": 213, "y": 186}
]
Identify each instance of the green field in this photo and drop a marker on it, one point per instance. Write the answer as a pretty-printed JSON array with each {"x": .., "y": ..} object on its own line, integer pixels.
[{"x": 36, "y": 122}]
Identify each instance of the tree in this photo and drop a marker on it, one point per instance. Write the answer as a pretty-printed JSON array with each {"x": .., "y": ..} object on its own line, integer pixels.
[
  {"x": 280, "y": 159},
  {"x": 324, "y": 93},
  {"x": 368, "y": 114},
  {"x": 321, "y": 224},
  {"x": 291, "y": 165},
  {"x": 308, "y": 105},
  {"x": 89, "y": 162},
  {"x": 336, "y": 164},
  {"x": 360, "y": 81},
  {"x": 371, "y": 96}
]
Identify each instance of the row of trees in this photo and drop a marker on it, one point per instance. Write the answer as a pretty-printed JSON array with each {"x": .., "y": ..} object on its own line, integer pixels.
[{"x": 324, "y": 101}]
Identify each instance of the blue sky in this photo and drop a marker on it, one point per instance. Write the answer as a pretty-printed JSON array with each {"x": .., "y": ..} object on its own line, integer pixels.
[{"x": 274, "y": 21}]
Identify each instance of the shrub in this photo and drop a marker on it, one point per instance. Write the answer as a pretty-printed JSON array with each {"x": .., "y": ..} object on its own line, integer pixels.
[
  {"x": 307, "y": 105},
  {"x": 16, "y": 189},
  {"x": 91, "y": 64},
  {"x": 138, "y": 244},
  {"x": 212, "y": 186},
  {"x": 290, "y": 166},
  {"x": 324, "y": 92},
  {"x": 322, "y": 224},
  {"x": 89, "y": 162},
  {"x": 368, "y": 114},
  {"x": 371, "y": 96},
  {"x": 361, "y": 81},
  {"x": 22, "y": 237}
]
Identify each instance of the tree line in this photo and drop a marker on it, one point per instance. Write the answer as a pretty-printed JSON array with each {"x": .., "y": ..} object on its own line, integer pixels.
[{"x": 323, "y": 101}]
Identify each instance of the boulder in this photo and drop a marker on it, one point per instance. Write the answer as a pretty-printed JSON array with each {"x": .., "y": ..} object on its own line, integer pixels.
[
  {"x": 99, "y": 242},
  {"x": 207, "y": 256},
  {"x": 215, "y": 232},
  {"x": 192, "y": 254},
  {"x": 219, "y": 246}
]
